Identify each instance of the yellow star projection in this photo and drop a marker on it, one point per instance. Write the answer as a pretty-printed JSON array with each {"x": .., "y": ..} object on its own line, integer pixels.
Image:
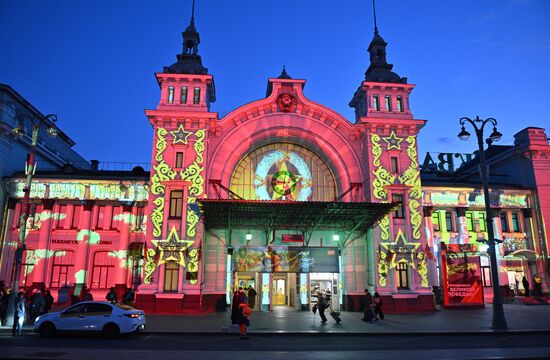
[
  {"x": 172, "y": 249},
  {"x": 180, "y": 135},
  {"x": 393, "y": 141},
  {"x": 403, "y": 251}
]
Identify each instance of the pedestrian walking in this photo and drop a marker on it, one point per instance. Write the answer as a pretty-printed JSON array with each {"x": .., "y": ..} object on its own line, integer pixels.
[
  {"x": 244, "y": 321},
  {"x": 48, "y": 301},
  {"x": 36, "y": 305},
  {"x": 236, "y": 313},
  {"x": 321, "y": 306},
  {"x": 19, "y": 313},
  {"x": 111, "y": 295},
  {"x": 368, "y": 313},
  {"x": 537, "y": 285},
  {"x": 88, "y": 296},
  {"x": 3, "y": 304},
  {"x": 378, "y": 306},
  {"x": 525, "y": 284},
  {"x": 129, "y": 297},
  {"x": 251, "y": 297}
]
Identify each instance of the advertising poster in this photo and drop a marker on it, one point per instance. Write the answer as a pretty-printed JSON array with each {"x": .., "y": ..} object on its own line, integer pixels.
[
  {"x": 273, "y": 259},
  {"x": 462, "y": 284}
]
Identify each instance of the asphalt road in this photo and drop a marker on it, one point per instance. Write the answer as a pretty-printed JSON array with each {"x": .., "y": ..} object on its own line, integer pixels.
[{"x": 274, "y": 346}]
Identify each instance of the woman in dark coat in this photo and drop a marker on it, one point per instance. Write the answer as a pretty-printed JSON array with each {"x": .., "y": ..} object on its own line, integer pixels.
[
  {"x": 236, "y": 312},
  {"x": 378, "y": 306},
  {"x": 525, "y": 284}
]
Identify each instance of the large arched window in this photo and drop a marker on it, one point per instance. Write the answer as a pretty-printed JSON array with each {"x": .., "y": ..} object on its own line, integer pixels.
[{"x": 283, "y": 171}]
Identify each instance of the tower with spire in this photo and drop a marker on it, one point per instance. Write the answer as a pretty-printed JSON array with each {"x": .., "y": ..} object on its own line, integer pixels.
[
  {"x": 180, "y": 125},
  {"x": 382, "y": 109}
]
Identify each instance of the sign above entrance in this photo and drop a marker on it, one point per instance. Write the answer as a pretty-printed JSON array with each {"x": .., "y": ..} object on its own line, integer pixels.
[
  {"x": 292, "y": 238},
  {"x": 282, "y": 259}
]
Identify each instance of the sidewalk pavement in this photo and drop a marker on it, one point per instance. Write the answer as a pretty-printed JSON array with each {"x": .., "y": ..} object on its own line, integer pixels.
[{"x": 283, "y": 320}]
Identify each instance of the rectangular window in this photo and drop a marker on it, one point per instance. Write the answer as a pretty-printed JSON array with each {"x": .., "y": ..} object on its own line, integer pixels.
[
  {"x": 436, "y": 221},
  {"x": 388, "y": 103},
  {"x": 176, "y": 203},
  {"x": 376, "y": 102},
  {"x": 486, "y": 276},
  {"x": 197, "y": 95},
  {"x": 402, "y": 275},
  {"x": 103, "y": 270},
  {"x": 140, "y": 218},
  {"x": 115, "y": 217},
  {"x": 470, "y": 221},
  {"x": 61, "y": 217},
  {"x": 183, "y": 95},
  {"x": 449, "y": 221},
  {"x": 400, "y": 104},
  {"x": 179, "y": 160},
  {"x": 77, "y": 210},
  {"x": 100, "y": 220},
  {"x": 482, "y": 221},
  {"x": 504, "y": 222},
  {"x": 171, "y": 273},
  {"x": 398, "y": 213},
  {"x": 394, "y": 165},
  {"x": 515, "y": 222},
  {"x": 170, "y": 94}
]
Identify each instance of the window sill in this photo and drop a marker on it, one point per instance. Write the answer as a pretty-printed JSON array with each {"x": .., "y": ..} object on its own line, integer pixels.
[{"x": 169, "y": 296}]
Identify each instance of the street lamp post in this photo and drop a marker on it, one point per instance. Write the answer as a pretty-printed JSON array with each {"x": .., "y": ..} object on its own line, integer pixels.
[
  {"x": 499, "y": 321},
  {"x": 30, "y": 167}
]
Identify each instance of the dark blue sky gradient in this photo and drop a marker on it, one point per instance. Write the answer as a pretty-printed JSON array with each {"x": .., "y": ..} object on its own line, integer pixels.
[{"x": 93, "y": 62}]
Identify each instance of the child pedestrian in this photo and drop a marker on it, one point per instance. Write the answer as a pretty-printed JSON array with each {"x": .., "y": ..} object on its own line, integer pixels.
[{"x": 245, "y": 322}]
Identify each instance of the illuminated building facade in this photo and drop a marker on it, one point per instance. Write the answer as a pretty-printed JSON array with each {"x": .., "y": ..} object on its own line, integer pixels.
[{"x": 280, "y": 194}]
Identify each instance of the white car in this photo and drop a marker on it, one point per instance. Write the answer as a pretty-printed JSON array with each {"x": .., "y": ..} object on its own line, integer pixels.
[{"x": 94, "y": 316}]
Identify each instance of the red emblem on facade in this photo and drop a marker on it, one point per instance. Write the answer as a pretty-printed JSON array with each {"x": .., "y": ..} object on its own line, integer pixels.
[{"x": 286, "y": 102}]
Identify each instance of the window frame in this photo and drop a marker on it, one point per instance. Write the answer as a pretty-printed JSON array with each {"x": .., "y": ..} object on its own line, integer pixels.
[
  {"x": 170, "y": 96},
  {"x": 183, "y": 94},
  {"x": 171, "y": 274},
  {"x": 516, "y": 224},
  {"x": 400, "y": 106},
  {"x": 175, "y": 210},
  {"x": 394, "y": 164},
  {"x": 449, "y": 221},
  {"x": 387, "y": 102},
  {"x": 436, "y": 224},
  {"x": 398, "y": 213},
  {"x": 402, "y": 273},
  {"x": 504, "y": 226},
  {"x": 196, "y": 96},
  {"x": 178, "y": 161},
  {"x": 376, "y": 102}
]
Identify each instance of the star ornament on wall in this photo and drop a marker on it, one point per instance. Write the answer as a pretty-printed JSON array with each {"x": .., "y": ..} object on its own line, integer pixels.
[
  {"x": 172, "y": 249},
  {"x": 180, "y": 135},
  {"x": 393, "y": 141},
  {"x": 401, "y": 249}
]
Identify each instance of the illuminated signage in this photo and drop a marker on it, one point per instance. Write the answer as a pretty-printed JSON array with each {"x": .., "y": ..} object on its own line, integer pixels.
[
  {"x": 446, "y": 162},
  {"x": 444, "y": 198},
  {"x": 513, "y": 200},
  {"x": 286, "y": 238}
]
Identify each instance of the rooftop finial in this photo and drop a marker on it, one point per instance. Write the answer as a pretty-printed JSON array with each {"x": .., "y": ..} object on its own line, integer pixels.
[
  {"x": 284, "y": 74},
  {"x": 374, "y": 12},
  {"x": 193, "y": 12}
]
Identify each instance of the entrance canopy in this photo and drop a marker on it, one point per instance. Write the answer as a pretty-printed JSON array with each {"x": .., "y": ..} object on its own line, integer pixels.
[{"x": 301, "y": 215}]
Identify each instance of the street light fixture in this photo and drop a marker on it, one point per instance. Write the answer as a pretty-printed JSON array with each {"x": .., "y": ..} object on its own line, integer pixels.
[
  {"x": 30, "y": 166},
  {"x": 499, "y": 321}
]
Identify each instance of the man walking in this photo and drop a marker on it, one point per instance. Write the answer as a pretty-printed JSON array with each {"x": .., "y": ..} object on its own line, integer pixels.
[{"x": 19, "y": 314}]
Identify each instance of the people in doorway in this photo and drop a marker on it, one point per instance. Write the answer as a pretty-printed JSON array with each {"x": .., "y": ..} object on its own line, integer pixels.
[
  {"x": 525, "y": 284},
  {"x": 322, "y": 304},
  {"x": 378, "y": 306},
  {"x": 537, "y": 285},
  {"x": 111, "y": 295},
  {"x": 251, "y": 297},
  {"x": 19, "y": 314},
  {"x": 236, "y": 313}
]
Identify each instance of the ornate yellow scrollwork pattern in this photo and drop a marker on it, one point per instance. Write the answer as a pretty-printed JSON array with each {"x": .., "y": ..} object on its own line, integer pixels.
[
  {"x": 411, "y": 178},
  {"x": 157, "y": 216},
  {"x": 376, "y": 149},
  {"x": 161, "y": 143},
  {"x": 150, "y": 266},
  {"x": 422, "y": 268},
  {"x": 382, "y": 269},
  {"x": 385, "y": 228}
]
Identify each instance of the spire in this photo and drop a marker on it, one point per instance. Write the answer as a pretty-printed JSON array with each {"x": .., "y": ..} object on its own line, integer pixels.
[
  {"x": 379, "y": 70},
  {"x": 284, "y": 75},
  {"x": 189, "y": 62}
]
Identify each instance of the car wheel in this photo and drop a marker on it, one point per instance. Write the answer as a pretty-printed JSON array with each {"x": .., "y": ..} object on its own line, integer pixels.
[
  {"x": 47, "y": 330},
  {"x": 111, "y": 331}
]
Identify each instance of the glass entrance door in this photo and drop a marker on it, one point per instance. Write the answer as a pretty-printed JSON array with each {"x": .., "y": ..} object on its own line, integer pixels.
[{"x": 278, "y": 291}]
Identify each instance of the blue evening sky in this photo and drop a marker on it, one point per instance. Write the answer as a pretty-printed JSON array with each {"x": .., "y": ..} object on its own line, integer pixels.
[{"x": 93, "y": 62}]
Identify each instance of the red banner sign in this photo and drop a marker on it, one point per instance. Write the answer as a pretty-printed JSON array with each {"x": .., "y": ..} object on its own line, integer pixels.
[{"x": 462, "y": 285}]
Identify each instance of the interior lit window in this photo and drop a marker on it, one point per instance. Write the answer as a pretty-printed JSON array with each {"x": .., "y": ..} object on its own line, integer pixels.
[
  {"x": 183, "y": 95},
  {"x": 388, "y": 102},
  {"x": 376, "y": 102},
  {"x": 197, "y": 95},
  {"x": 170, "y": 94},
  {"x": 400, "y": 104}
]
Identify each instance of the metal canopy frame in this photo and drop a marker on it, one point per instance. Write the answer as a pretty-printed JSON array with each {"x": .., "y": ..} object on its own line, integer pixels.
[{"x": 305, "y": 216}]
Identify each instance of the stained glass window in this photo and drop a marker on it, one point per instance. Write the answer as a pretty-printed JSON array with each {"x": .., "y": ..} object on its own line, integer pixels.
[{"x": 283, "y": 171}]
